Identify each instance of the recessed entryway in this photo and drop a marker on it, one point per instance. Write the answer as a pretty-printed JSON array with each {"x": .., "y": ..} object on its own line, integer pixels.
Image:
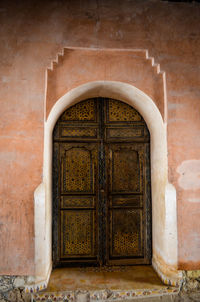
[{"x": 164, "y": 231}]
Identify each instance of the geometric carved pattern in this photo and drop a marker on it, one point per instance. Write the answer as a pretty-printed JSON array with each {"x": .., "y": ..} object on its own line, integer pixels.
[
  {"x": 76, "y": 202},
  {"x": 77, "y": 170},
  {"x": 126, "y": 171},
  {"x": 77, "y": 232},
  {"x": 121, "y": 112},
  {"x": 83, "y": 111},
  {"x": 78, "y": 132},
  {"x": 126, "y": 232},
  {"x": 125, "y": 244},
  {"x": 127, "y": 201},
  {"x": 126, "y": 132}
]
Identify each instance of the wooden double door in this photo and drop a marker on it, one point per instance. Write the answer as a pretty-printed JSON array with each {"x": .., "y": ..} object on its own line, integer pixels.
[{"x": 101, "y": 185}]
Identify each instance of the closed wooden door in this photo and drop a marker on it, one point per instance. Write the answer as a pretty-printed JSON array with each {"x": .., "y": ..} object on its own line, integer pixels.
[{"x": 101, "y": 185}]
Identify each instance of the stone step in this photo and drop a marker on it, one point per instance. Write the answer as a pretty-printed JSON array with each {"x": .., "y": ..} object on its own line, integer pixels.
[{"x": 165, "y": 295}]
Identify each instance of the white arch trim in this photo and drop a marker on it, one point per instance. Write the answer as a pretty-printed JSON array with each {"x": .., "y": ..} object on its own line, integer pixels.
[{"x": 164, "y": 224}]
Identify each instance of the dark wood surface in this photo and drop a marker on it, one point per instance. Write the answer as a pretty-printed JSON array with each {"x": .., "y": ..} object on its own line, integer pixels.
[{"x": 101, "y": 185}]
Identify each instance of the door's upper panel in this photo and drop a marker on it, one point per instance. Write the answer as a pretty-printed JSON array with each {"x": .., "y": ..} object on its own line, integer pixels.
[
  {"x": 118, "y": 111},
  {"x": 77, "y": 174},
  {"x": 85, "y": 111}
]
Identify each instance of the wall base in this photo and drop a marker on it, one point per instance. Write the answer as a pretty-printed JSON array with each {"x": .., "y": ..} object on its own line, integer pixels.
[{"x": 174, "y": 280}]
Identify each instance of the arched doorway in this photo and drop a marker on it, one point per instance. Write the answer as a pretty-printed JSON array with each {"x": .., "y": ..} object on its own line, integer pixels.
[
  {"x": 101, "y": 185},
  {"x": 164, "y": 225}
]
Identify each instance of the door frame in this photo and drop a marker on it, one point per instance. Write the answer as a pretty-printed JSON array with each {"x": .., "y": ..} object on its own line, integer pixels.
[{"x": 164, "y": 225}]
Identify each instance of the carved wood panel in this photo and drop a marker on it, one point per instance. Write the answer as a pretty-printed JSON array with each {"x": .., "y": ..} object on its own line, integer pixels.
[
  {"x": 77, "y": 233},
  {"x": 126, "y": 232},
  {"x": 101, "y": 185}
]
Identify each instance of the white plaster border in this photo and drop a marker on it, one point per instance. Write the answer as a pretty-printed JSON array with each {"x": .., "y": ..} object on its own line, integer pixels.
[{"x": 164, "y": 242}]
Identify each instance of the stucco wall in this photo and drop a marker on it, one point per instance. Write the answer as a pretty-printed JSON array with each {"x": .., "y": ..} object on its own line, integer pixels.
[{"x": 31, "y": 34}]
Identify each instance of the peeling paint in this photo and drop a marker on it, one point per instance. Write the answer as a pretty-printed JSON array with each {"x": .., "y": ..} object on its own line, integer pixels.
[
  {"x": 194, "y": 199},
  {"x": 175, "y": 106},
  {"x": 189, "y": 178},
  {"x": 175, "y": 120}
]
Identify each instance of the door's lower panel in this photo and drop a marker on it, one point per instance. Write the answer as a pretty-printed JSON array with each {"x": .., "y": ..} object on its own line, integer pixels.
[
  {"x": 77, "y": 234},
  {"x": 126, "y": 237},
  {"x": 126, "y": 233}
]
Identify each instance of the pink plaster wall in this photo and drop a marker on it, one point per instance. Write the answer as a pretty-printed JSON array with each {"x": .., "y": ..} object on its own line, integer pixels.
[
  {"x": 31, "y": 34},
  {"x": 78, "y": 66}
]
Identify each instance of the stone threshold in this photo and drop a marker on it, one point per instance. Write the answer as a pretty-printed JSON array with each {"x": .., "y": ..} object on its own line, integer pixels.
[
  {"x": 108, "y": 284},
  {"x": 103, "y": 295}
]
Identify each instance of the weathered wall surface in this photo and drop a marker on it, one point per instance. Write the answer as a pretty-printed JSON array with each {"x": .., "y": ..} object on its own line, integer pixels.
[
  {"x": 77, "y": 66},
  {"x": 31, "y": 34}
]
